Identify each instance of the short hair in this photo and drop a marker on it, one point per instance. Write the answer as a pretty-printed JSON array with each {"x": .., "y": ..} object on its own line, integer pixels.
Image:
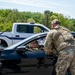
[{"x": 35, "y": 41}]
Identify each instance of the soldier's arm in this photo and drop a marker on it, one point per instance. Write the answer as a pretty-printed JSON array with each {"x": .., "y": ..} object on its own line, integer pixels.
[{"x": 48, "y": 44}]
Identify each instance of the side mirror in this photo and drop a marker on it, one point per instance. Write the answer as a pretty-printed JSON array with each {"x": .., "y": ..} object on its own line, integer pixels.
[{"x": 20, "y": 49}]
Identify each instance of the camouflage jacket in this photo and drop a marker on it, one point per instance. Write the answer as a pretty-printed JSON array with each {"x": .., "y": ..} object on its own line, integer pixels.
[{"x": 57, "y": 39}]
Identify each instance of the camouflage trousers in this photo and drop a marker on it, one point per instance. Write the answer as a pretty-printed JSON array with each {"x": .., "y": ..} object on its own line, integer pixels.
[{"x": 66, "y": 59}]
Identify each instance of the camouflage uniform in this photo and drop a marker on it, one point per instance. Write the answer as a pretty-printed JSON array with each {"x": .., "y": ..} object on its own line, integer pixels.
[{"x": 62, "y": 40}]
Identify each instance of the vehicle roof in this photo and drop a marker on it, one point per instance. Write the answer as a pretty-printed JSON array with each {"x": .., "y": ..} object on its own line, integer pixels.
[{"x": 29, "y": 24}]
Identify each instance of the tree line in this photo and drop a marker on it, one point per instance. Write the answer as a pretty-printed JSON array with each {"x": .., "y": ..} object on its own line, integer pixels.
[{"x": 8, "y": 17}]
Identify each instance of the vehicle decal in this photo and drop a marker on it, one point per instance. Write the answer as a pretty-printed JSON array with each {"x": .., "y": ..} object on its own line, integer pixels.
[{"x": 14, "y": 38}]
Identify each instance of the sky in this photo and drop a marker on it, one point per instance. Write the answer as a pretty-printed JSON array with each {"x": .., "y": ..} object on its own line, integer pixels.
[{"x": 66, "y": 7}]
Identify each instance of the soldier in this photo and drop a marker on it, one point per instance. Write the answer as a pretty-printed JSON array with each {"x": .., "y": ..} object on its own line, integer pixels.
[
  {"x": 61, "y": 40},
  {"x": 35, "y": 46}
]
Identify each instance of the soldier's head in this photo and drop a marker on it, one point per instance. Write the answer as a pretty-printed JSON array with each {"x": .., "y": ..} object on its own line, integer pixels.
[
  {"x": 55, "y": 23},
  {"x": 34, "y": 44}
]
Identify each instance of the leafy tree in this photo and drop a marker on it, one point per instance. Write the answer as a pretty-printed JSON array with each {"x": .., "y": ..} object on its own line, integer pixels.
[
  {"x": 31, "y": 20},
  {"x": 7, "y": 27},
  {"x": 36, "y": 16},
  {"x": 8, "y": 17}
]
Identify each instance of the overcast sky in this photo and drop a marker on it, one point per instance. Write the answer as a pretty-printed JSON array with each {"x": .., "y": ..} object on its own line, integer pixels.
[{"x": 66, "y": 7}]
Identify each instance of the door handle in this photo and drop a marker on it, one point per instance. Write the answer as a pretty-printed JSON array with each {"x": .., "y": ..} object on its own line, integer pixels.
[{"x": 17, "y": 35}]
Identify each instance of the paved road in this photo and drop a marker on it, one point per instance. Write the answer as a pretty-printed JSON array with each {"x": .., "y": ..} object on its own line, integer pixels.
[
  {"x": 28, "y": 67},
  {"x": 29, "y": 71}
]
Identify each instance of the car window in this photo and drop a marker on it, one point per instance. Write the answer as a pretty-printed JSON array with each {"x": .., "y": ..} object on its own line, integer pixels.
[
  {"x": 22, "y": 28},
  {"x": 30, "y": 29},
  {"x": 37, "y": 44},
  {"x": 37, "y": 29}
]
